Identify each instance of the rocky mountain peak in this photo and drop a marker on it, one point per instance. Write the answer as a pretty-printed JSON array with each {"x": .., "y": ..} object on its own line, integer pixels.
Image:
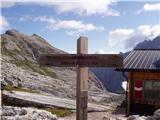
[
  {"x": 149, "y": 44},
  {"x": 157, "y": 38},
  {"x": 37, "y": 37},
  {"x": 14, "y": 32}
]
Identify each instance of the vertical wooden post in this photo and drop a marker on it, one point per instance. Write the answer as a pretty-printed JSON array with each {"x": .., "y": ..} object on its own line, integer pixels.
[{"x": 82, "y": 82}]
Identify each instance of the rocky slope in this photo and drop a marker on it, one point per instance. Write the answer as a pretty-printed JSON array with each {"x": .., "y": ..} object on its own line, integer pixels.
[
  {"x": 20, "y": 68},
  {"x": 21, "y": 73},
  {"x": 17, "y": 113},
  {"x": 111, "y": 79}
]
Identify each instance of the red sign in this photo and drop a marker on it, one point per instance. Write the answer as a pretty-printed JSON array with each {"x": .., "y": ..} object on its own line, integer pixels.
[{"x": 138, "y": 90}]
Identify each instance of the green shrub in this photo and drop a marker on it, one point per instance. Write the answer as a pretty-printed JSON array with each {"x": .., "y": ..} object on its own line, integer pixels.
[
  {"x": 59, "y": 112},
  {"x": 12, "y": 88},
  {"x": 35, "y": 68},
  {"x": 26, "y": 64}
]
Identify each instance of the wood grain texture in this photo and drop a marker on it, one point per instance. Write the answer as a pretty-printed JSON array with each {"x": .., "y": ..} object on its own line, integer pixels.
[
  {"x": 143, "y": 76},
  {"x": 146, "y": 75},
  {"x": 83, "y": 60},
  {"x": 82, "y": 82}
]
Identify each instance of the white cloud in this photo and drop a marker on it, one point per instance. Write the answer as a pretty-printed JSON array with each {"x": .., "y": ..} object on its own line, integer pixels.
[
  {"x": 73, "y": 52},
  {"x": 4, "y": 24},
  {"x": 128, "y": 38},
  {"x": 149, "y": 31},
  {"x": 88, "y": 7},
  {"x": 100, "y": 51},
  {"x": 73, "y": 33},
  {"x": 119, "y": 36},
  {"x": 71, "y": 24},
  {"x": 72, "y": 27},
  {"x": 6, "y": 4},
  {"x": 80, "y": 7},
  {"x": 25, "y": 18},
  {"x": 149, "y": 7}
]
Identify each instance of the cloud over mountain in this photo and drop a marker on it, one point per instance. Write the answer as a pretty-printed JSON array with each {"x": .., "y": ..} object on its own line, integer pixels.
[
  {"x": 128, "y": 38},
  {"x": 4, "y": 24}
]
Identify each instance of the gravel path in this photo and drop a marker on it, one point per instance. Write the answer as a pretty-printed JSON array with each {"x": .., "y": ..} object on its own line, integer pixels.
[{"x": 36, "y": 99}]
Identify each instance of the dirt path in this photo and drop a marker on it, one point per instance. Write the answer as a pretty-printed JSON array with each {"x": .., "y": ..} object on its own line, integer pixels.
[
  {"x": 98, "y": 116},
  {"x": 118, "y": 113}
]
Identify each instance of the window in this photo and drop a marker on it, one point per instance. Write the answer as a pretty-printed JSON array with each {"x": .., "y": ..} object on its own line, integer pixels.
[
  {"x": 156, "y": 85},
  {"x": 148, "y": 85},
  {"x": 151, "y": 90}
]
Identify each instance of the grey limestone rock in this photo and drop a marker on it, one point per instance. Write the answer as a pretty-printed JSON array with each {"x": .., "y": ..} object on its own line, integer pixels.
[{"x": 18, "y": 113}]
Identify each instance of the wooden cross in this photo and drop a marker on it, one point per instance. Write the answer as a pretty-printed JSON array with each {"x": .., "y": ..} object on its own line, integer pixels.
[{"x": 82, "y": 61}]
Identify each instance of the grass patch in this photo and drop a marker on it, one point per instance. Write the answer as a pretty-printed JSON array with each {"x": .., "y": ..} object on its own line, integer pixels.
[
  {"x": 9, "y": 52},
  {"x": 12, "y": 88},
  {"x": 35, "y": 68},
  {"x": 24, "y": 63},
  {"x": 48, "y": 72},
  {"x": 59, "y": 112},
  {"x": 15, "y": 52}
]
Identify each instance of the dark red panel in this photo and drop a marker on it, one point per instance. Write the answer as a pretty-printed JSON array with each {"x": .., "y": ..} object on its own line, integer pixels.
[{"x": 138, "y": 89}]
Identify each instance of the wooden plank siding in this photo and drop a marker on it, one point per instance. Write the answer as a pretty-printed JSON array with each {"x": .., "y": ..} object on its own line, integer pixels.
[{"x": 144, "y": 76}]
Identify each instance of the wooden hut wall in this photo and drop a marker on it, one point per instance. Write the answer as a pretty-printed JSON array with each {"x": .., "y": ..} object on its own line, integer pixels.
[{"x": 144, "y": 76}]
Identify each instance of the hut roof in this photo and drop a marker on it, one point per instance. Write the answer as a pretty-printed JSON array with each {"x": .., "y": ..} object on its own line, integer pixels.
[{"x": 142, "y": 60}]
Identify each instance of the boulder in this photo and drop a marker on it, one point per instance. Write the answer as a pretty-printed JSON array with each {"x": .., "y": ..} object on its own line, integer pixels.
[
  {"x": 156, "y": 115},
  {"x": 136, "y": 117}
]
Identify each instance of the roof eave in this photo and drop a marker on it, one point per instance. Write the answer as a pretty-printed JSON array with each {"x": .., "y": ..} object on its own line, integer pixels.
[{"x": 137, "y": 70}]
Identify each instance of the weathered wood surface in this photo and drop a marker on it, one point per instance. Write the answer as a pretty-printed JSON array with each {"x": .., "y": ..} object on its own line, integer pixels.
[
  {"x": 83, "y": 60},
  {"x": 82, "y": 82},
  {"x": 146, "y": 75}
]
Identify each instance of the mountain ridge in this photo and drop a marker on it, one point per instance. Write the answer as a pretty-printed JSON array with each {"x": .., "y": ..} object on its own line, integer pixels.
[{"x": 149, "y": 44}]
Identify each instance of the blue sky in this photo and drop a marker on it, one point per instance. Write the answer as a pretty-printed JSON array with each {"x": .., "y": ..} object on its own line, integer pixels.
[{"x": 111, "y": 26}]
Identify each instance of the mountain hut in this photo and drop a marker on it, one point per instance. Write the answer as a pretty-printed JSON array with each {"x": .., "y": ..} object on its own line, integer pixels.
[{"x": 143, "y": 81}]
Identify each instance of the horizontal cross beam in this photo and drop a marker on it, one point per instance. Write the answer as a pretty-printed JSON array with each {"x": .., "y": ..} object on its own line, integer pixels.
[{"x": 82, "y": 60}]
